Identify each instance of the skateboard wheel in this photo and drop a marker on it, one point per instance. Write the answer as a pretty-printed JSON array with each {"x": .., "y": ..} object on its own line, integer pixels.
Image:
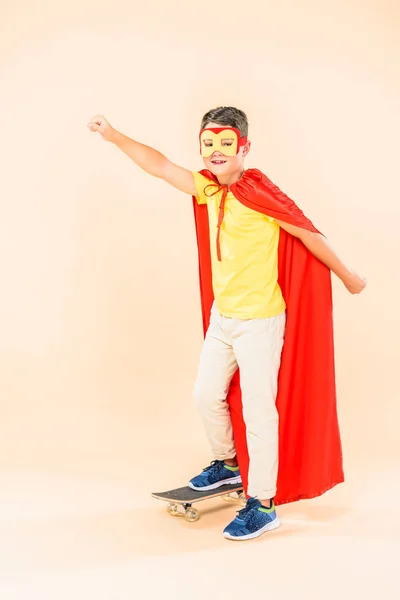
[
  {"x": 231, "y": 497},
  {"x": 227, "y": 498},
  {"x": 242, "y": 498},
  {"x": 173, "y": 510},
  {"x": 192, "y": 515}
]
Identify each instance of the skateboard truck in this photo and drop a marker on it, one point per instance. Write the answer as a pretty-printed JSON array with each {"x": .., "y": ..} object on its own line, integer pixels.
[
  {"x": 183, "y": 510},
  {"x": 180, "y": 501}
]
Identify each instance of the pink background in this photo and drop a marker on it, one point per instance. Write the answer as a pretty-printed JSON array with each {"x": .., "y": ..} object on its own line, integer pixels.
[{"x": 100, "y": 327}]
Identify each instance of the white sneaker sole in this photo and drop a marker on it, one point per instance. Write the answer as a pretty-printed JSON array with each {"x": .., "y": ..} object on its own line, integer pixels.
[
  {"x": 214, "y": 486},
  {"x": 269, "y": 527}
]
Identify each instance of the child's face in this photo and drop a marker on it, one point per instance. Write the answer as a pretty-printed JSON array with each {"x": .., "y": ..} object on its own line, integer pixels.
[{"x": 221, "y": 165}]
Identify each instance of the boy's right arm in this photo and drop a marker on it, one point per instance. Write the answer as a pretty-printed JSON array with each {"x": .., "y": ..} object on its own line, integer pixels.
[{"x": 148, "y": 159}]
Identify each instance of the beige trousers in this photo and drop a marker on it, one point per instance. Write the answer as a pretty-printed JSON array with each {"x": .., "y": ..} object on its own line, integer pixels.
[{"x": 255, "y": 346}]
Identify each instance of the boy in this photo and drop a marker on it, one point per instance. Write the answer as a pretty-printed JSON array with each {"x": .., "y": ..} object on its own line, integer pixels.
[{"x": 258, "y": 242}]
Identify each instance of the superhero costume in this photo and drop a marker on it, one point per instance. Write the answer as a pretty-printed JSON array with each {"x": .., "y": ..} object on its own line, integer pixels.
[{"x": 310, "y": 454}]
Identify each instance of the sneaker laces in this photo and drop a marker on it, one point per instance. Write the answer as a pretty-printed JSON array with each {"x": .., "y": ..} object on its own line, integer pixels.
[
  {"x": 244, "y": 512},
  {"x": 215, "y": 464}
]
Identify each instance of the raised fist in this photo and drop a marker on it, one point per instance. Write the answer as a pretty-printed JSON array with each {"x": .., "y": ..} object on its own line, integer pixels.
[{"x": 100, "y": 124}]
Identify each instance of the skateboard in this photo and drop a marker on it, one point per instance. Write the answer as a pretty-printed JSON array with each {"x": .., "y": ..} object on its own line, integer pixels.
[{"x": 181, "y": 499}]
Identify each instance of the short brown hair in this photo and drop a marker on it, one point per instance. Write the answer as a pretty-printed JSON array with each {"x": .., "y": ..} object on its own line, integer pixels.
[{"x": 227, "y": 116}]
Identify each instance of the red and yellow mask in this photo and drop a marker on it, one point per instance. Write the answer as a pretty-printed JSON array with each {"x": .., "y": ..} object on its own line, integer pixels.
[{"x": 226, "y": 140}]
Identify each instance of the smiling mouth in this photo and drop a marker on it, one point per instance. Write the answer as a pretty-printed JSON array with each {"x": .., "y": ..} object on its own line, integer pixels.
[{"x": 218, "y": 162}]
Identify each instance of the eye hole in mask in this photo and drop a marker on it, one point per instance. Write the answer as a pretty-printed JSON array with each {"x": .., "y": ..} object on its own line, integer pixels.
[{"x": 226, "y": 140}]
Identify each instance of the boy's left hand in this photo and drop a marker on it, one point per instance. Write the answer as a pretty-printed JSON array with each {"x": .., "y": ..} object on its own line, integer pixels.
[{"x": 354, "y": 283}]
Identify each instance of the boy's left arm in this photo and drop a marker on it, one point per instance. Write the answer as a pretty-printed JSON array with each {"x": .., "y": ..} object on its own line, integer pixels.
[{"x": 319, "y": 246}]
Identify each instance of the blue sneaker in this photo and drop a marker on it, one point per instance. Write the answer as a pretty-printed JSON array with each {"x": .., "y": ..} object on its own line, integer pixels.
[
  {"x": 215, "y": 475},
  {"x": 252, "y": 521}
]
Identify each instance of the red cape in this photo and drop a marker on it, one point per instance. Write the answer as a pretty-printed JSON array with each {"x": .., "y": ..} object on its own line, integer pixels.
[{"x": 310, "y": 453}]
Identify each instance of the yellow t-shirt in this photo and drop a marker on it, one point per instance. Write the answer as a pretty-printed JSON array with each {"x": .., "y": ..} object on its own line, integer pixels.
[{"x": 245, "y": 281}]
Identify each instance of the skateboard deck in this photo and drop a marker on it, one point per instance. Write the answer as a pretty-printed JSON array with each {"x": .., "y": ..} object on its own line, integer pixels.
[{"x": 180, "y": 500}]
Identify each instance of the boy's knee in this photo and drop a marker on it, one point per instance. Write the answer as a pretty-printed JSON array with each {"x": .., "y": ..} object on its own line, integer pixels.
[
  {"x": 201, "y": 394},
  {"x": 257, "y": 414},
  {"x": 207, "y": 399}
]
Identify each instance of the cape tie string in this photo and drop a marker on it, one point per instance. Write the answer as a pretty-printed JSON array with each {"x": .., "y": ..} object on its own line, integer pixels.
[{"x": 224, "y": 189}]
